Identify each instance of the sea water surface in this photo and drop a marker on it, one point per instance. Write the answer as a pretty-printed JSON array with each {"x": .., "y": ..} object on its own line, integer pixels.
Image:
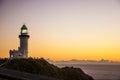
[{"x": 99, "y": 71}]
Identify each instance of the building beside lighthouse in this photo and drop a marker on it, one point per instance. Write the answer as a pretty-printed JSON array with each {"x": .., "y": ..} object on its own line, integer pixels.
[{"x": 22, "y": 51}]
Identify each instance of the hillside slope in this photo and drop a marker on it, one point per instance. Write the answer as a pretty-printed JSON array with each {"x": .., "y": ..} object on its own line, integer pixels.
[{"x": 42, "y": 67}]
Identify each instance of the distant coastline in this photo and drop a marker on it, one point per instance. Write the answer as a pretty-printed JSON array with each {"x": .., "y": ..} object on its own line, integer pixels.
[{"x": 75, "y": 61}]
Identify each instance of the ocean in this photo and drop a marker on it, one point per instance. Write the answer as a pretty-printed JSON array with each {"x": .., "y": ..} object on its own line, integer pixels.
[{"x": 99, "y": 71}]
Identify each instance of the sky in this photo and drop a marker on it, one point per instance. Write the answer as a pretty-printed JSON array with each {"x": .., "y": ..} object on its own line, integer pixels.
[{"x": 62, "y": 29}]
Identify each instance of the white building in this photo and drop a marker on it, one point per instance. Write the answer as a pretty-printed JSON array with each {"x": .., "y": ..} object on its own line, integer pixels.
[{"x": 22, "y": 51}]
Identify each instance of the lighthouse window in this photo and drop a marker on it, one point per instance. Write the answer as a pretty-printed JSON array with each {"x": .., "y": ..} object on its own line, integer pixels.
[{"x": 24, "y": 31}]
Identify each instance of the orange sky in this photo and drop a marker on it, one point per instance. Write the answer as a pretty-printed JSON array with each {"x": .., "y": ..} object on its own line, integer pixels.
[{"x": 62, "y": 30}]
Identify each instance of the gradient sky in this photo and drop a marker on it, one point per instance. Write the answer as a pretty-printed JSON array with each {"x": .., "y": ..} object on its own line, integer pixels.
[{"x": 62, "y": 29}]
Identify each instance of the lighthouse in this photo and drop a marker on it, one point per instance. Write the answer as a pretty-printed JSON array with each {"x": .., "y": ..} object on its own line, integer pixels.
[{"x": 22, "y": 51}]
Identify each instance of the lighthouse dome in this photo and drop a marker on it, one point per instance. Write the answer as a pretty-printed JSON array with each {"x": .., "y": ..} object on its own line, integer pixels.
[
  {"x": 24, "y": 30},
  {"x": 24, "y": 27}
]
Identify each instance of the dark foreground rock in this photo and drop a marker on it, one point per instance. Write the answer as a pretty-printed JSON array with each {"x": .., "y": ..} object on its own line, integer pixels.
[{"x": 42, "y": 67}]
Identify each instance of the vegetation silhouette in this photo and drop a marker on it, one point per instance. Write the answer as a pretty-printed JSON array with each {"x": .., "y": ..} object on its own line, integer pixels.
[{"x": 40, "y": 66}]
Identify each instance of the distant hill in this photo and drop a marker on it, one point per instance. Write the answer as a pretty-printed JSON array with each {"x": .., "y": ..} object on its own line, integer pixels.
[
  {"x": 75, "y": 61},
  {"x": 40, "y": 66}
]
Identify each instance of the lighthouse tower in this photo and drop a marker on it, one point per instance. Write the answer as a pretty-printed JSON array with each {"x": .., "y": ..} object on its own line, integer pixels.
[
  {"x": 22, "y": 51},
  {"x": 24, "y": 41}
]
